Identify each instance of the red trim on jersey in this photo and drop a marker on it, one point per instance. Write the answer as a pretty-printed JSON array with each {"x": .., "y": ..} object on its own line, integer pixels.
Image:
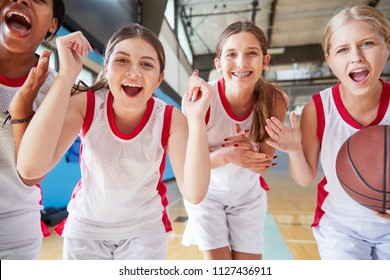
[
  {"x": 263, "y": 183},
  {"x": 89, "y": 113},
  {"x": 225, "y": 103},
  {"x": 161, "y": 187},
  {"x": 207, "y": 118},
  {"x": 137, "y": 129},
  {"x": 320, "y": 116},
  {"x": 384, "y": 101},
  {"x": 383, "y": 105},
  {"x": 166, "y": 126},
  {"x": 44, "y": 228},
  {"x": 17, "y": 82},
  {"x": 321, "y": 196},
  {"x": 60, "y": 227}
]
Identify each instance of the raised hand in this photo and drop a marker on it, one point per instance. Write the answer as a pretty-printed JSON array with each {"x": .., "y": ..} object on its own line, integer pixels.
[
  {"x": 282, "y": 137},
  {"x": 21, "y": 106},
  {"x": 71, "y": 48},
  {"x": 198, "y": 97}
]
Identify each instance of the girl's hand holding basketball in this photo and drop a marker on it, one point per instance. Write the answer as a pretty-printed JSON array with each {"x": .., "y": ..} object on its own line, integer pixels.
[
  {"x": 282, "y": 137},
  {"x": 21, "y": 106},
  {"x": 71, "y": 48},
  {"x": 198, "y": 97},
  {"x": 383, "y": 215}
]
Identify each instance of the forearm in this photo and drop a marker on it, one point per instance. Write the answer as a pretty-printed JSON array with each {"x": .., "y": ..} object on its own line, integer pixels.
[
  {"x": 197, "y": 163},
  {"x": 300, "y": 169},
  {"x": 18, "y": 130},
  {"x": 42, "y": 135},
  {"x": 218, "y": 158}
]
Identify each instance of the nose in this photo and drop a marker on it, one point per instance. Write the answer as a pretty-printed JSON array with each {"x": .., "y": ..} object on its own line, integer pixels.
[
  {"x": 241, "y": 61},
  {"x": 356, "y": 56},
  {"x": 23, "y": 2},
  {"x": 133, "y": 72}
]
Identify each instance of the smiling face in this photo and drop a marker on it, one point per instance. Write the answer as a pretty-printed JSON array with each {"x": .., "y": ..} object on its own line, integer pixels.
[
  {"x": 23, "y": 25},
  {"x": 242, "y": 60},
  {"x": 357, "y": 55},
  {"x": 133, "y": 73}
]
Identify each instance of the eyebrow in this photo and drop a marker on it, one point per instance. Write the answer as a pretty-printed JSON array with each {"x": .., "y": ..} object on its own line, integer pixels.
[
  {"x": 127, "y": 54},
  {"x": 250, "y": 48}
]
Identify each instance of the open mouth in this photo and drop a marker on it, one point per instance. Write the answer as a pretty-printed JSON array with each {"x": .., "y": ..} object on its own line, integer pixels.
[
  {"x": 358, "y": 75},
  {"x": 18, "y": 22},
  {"x": 242, "y": 74},
  {"x": 131, "y": 90}
]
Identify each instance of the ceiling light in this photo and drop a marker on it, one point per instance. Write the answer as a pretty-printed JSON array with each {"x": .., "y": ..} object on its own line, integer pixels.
[{"x": 276, "y": 50}]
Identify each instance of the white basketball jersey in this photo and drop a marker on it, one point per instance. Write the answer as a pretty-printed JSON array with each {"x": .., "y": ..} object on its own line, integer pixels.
[
  {"x": 229, "y": 182},
  {"x": 20, "y": 205},
  {"x": 122, "y": 194},
  {"x": 335, "y": 125}
]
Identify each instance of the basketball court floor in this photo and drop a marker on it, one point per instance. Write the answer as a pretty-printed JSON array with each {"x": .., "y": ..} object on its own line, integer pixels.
[{"x": 288, "y": 234}]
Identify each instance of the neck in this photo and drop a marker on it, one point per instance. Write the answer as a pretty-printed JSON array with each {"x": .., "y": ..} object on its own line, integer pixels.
[
  {"x": 126, "y": 121},
  {"x": 363, "y": 108},
  {"x": 240, "y": 101},
  {"x": 14, "y": 65}
]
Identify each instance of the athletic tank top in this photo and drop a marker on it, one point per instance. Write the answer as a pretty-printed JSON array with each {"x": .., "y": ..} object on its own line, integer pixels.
[
  {"x": 121, "y": 193},
  {"x": 20, "y": 205},
  {"x": 335, "y": 125},
  {"x": 229, "y": 182}
]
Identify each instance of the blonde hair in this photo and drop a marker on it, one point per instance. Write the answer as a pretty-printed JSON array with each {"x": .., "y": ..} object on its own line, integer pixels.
[
  {"x": 371, "y": 16},
  {"x": 264, "y": 93}
]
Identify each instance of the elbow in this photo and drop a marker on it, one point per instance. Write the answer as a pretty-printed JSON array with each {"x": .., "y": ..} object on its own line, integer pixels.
[
  {"x": 196, "y": 199},
  {"x": 304, "y": 182},
  {"x": 28, "y": 173}
]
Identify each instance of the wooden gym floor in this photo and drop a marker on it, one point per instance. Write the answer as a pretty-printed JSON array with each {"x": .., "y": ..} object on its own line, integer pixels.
[{"x": 288, "y": 233}]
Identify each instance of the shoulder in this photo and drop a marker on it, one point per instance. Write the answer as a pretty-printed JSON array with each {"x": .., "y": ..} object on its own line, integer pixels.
[
  {"x": 79, "y": 101},
  {"x": 279, "y": 98},
  {"x": 309, "y": 113},
  {"x": 309, "y": 107},
  {"x": 278, "y": 93},
  {"x": 178, "y": 117},
  {"x": 179, "y": 120}
]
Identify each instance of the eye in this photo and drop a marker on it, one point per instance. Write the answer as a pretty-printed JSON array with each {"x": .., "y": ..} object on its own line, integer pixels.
[
  {"x": 367, "y": 44},
  {"x": 252, "y": 53},
  {"x": 342, "y": 50},
  {"x": 230, "y": 54},
  {"x": 121, "y": 60},
  {"x": 147, "y": 65}
]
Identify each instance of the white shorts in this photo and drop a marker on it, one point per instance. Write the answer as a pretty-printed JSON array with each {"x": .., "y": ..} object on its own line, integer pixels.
[
  {"x": 22, "y": 250},
  {"x": 146, "y": 247},
  {"x": 212, "y": 225},
  {"x": 347, "y": 244}
]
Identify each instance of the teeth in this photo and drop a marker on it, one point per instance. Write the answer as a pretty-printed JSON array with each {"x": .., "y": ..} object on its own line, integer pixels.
[
  {"x": 241, "y": 74},
  {"x": 10, "y": 14},
  {"x": 131, "y": 85},
  {"x": 358, "y": 71}
]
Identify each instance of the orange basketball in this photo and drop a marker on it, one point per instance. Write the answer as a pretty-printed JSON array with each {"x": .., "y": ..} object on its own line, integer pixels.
[{"x": 363, "y": 167}]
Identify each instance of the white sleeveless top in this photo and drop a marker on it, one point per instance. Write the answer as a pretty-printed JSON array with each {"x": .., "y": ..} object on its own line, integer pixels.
[
  {"x": 335, "y": 125},
  {"x": 20, "y": 205},
  {"x": 229, "y": 182},
  {"x": 121, "y": 193}
]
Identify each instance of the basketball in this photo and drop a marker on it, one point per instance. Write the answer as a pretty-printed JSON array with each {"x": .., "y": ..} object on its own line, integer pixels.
[{"x": 363, "y": 167}]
